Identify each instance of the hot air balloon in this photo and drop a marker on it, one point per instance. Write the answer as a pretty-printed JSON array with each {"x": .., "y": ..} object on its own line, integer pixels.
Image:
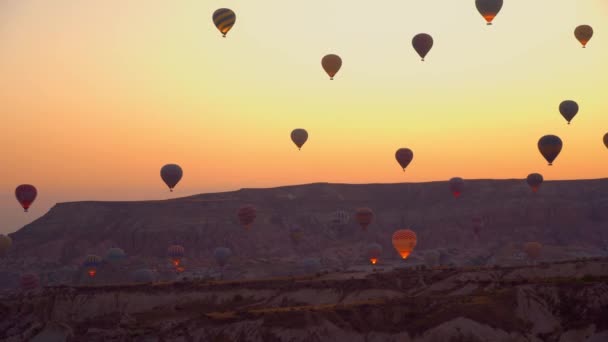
[
  {"x": 29, "y": 281},
  {"x": 456, "y": 186},
  {"x": 534, "y": 180},
  {"x": 247, "y": 215},
  {"x": 550, "y": 146},
  {"x": 532, "y": 250},
  {"x": 568, "y": 109},
  {"x": 404, "y": 157},
  {"x": 295, "y": 233},
  {"x": 26, "y": 194},
  {"x": 311, "y": 265},
  {"x": 331, "y": 64},
  {"x": 5, "y": 244},
  {"x": 171, "y": 175},
  {"x": 143, "y": 275},
  {"x": 583, "y": 34},
  {"x": 176, "y": 253},
  {"x": 224, "y": 19},
  {"x": 299, "y": 137},
  {"x": 404, "y": 241},
  {"x": 422, "y": 43},
  {"x": 221, "y": 255},
  {"x": 488, "y": 9},
  {"x": 606, "y": 140},
  {"x": 340, "y": 217},
  {"x": 374, "y": 251},
  {"x": 115, "y": 254},
  {"x": 364, "y": 217},
  {"x": 91, "y": 262},
  {"x": 478, "y": 224}
]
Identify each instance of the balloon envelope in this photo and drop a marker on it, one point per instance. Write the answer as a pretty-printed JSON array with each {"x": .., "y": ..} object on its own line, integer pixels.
[
  {"x": 176, "y": 253},
  {"x": 488, "y": 9},
  {"x": 171, "y": 175},
  {"x": 331, "y": 64},
  {"x": 247, "y": 215},
  {"x": 568, "y": 109},
  {"x": 26, "y": 194},
  {"x": 404, "y": 157},
  {"x": 299, "y": 137},
  {"x": 583, "y": 34},
  {"x": 533, "y": 249},
  {"x": 606, "y": 140},
  {"x": 5, "y": 244},
  {"x": 404, "y": 241},
  {"x": 143, "y": 275},
  {"x": 550, "y": 146},
  {"x": 91, "y": 262},
  {"x": 456, "y": 186},
  {"x": 364, "y": 217},
  {"x": 224, "y": 19},
  {"x": 115, "y": 254},
  {"x": 221, "y": 255},
  {"x": 534, "y": 180},
  {"x": 422, "y": 43}
]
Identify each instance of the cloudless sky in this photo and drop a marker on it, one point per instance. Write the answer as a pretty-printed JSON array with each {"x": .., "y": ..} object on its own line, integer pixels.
[{"x": 95, "y": 96}]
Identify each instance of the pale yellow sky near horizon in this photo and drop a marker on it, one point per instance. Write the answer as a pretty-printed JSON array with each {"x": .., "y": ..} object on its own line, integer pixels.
[{"x": 98, "y": 95}]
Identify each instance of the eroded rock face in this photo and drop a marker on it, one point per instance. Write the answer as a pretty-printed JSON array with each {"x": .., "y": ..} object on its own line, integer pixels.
[
  {"x": 562, "y": 213},
  {"x": 566, "y": 301}
]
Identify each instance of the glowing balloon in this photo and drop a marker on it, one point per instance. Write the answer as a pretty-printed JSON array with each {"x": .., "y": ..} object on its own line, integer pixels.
[
  {"x": 171, "y": 175},
  {"x": 176, "y": 253},
  {"x": 456, "y": 186},
  {"x": 488, "y": 9},
  {"x": 224, "y": 19},
  {"x": 26, "y": 194},
  {"x": 534, "y": 180},
  {"x": 568, "y": 109},
  {"x": 583, "y": 34},
  {"x": 331, "y": 64},
  {"x": 91, "y": 262},
  {"x": 404, "y": 157},
  {"x": 247, "y": 215},
  {"x": 299, "y": 137},
  {"x": 550, "y": 146},
  {"x": 404, "y": 241},
  {"x": 364, "y": 217},
  {"x": 422, "y": 43},
  {"x": 374, "y": 251}
]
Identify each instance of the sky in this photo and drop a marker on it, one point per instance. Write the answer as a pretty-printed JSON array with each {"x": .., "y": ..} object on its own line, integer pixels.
[{"x": 96, "y": 96}]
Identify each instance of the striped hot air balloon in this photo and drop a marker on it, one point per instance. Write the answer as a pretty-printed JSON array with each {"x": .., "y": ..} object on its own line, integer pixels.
[
  {"x": 404, "y": 241},
  {"x": 91, "y": 262},
  {"x": 176, "y": 253},
  {"x": 224, "y": 19}
]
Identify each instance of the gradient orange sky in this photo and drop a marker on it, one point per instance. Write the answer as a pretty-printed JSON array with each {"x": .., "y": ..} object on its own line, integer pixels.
[{"x": 98, "y": 95}]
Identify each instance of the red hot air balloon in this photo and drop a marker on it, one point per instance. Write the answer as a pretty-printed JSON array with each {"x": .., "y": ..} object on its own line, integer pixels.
[
  {"x": 404, "y": 241},
  {"x": 456, "y": 186},
  {"x": 247, "y": 215},
  {"x": 606, "y": 140},
  {"x": 534, "y": 180},
  {"x": 422, "y": 43},
  {"x": 364, "y": 217},
  {"x": 404, "y": 157},
  {"x": 26, "y": 194}
]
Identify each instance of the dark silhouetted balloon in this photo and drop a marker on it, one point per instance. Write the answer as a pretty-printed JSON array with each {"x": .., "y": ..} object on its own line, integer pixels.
[
  {"x": 606, "y": 140},
  {"x": 299, "y": 137},
  {"x": 247, "y": 215},
  {"x": 534, "y": 180},
  {"x": 404, "y": 241},
  {"x": 224, "y": 19},
  {"x": 29, "y": 281},
  {"x": 5, "y": 244},
  {"x": 143, "y": 275},
  {"x": 456, "y": 186},
  {"x": 422, "y": 43},
  {"x": 91, "y": 262},
  {"x": 176, "y": 253},
  {"x": 331, "y": 64},
  {"x": 550, "y": 146},
  {"x": 26, "y": 194},
  {"x": 171, "y": 175},
  {"x": 568, "y": 109},
  {"x": 488, "y": 9},
  {"x": 583, "y": 34},
  {"x": 404, "y": 157},
  {"x": 221, "y": 255},
  {"x": 364, "y": 217},
  {"x": 374, "y": 251}
]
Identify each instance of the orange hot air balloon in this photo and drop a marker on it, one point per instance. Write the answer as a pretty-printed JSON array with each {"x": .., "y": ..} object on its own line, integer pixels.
[
  {"x": 374, "y": 251},
  {"x": 224, "y": 19},
  {"x": 404, "y": 241},
  {"x": 583, "y": 34},
  {"x": 488, "y": 9},
  {"x": 532, "y": 250},
  {"x": 176, "y": 253},
  {"x": 364, "y": 217},
  {"x": 331, "y": 64},
  {"x": 404, "y": 157}
]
